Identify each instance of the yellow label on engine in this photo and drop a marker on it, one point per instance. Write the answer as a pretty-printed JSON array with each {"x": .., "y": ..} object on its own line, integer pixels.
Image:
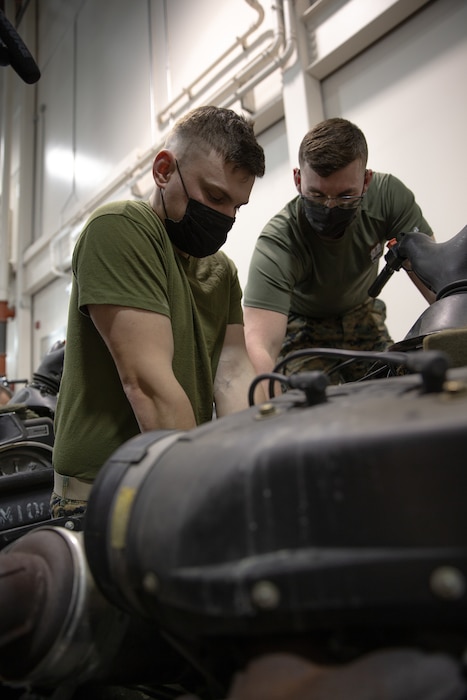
[{"x": 121, "y": 517}]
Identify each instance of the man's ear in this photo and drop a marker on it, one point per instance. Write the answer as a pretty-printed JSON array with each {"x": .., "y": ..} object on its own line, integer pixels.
[
  {"x": 163, "y": 167},
  {"x": 297, "y": 179},
  {"x": 368, "y": 179}
]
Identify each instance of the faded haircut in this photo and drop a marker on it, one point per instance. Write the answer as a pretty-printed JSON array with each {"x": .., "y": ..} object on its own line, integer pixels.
[
  {"x": 331, "y": 145},
  {"x": 229, "y": 134}
]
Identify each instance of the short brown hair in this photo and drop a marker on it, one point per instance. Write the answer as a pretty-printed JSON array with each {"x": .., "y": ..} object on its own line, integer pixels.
[
  {"x": 331, "y": 145},
  {"x": 227, "y": 133}
]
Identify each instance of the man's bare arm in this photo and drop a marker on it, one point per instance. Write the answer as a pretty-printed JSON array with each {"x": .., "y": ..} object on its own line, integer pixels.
[
  {"x": 141, "y": 344},
  {"x": 234, "y": 375},
  {"x": 422, "y": 288},
  {"x": 264, "y": 334}
]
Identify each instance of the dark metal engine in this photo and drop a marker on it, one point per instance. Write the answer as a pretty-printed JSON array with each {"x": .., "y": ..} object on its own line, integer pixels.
[
  {"x": 328, "y": 522},
  {"x": 335, "y": 527}
]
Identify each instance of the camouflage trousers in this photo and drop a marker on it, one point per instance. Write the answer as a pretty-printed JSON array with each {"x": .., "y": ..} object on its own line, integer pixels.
[
  {"x": 65, "y": 507},
  {"x": 362, "y": 328}
]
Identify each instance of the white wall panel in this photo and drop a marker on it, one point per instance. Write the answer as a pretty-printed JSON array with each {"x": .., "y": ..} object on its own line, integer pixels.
[
  {"x": 206, "y": 46},
  {"x": 55, "y": 19},
  {"x": 54, "y": 182},
  {"x": 113, "y": 98},
  {"x": 268, "y": 196},
  {"x": 188, "y": 48},
  {"x": 407, "y": 93},
  {"x": 95, "y": 109},
  {"x": 50, "y": 311}
]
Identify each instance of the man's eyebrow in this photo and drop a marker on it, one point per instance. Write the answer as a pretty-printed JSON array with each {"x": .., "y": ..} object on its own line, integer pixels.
[
  {"x": 345, "y": 193},
  {"x": 218, "y": 188},
  {"x": 221, "y": 191}
]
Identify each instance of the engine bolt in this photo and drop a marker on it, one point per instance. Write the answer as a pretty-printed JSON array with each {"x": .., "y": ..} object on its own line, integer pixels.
[
  {"x": 447, "y": 582},
  {"x": 265, "y": 410},
  {"x": 265, "y": 595},
  {"x": 454, "y": 387},
  {"x": 151, "y": 583}
]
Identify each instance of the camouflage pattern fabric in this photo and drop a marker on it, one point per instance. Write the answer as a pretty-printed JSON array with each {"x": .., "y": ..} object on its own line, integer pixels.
[
  {"x": 65, "y": 507},
  {"x": 362, "y": 328}
]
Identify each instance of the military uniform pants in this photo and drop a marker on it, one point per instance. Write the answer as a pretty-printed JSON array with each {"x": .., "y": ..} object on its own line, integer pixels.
[
  {"x": 69, "y": 496},
  {"x": 362, "y": 328}
]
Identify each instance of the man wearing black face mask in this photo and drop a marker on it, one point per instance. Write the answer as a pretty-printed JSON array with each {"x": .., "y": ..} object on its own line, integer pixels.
[
  {"x": 316, "y": 259},
  {"x": 155, "y": 329}
]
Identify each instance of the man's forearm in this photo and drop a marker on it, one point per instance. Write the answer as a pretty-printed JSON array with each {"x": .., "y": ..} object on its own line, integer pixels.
[
  {"x": 159, "y": 413},
  {"x": 236, "y": 397},
  {"x": 261, "y": 359},
  {"x": 428, "y": 294},
  {"x": 232, "y": 387}
]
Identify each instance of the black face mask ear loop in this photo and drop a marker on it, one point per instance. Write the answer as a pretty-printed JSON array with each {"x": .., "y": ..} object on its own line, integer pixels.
[
  {"x": 161, "y": 190},
  {"x": 183, "y": 185},
  {"x": 181, "y": 179}
]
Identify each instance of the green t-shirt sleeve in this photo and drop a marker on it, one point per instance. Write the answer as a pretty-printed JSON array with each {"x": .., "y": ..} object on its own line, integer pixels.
[
  {"x": 274, "y": 266},
  {"x": 235, "y": 297},
  {"x": 400, "y": 210},
  {"x": 118, "y": 260},
  {"x": 321, "y": 278}
]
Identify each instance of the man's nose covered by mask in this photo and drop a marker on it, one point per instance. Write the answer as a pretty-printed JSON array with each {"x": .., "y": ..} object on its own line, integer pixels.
[
  {"x": 201, "y": 231},
  {"x": 327, "y": 222}
]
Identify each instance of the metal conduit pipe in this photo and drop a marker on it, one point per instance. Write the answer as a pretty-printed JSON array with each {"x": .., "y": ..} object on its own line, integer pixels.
[
  {"x": 187, "y": 92},
  {"x": 127, "y": 177},
  {"x": 275, "y": 57},
  {"x": 271, "y": 60}
]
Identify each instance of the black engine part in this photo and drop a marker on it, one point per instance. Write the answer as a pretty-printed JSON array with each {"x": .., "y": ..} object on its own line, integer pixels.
[{"x": 289, "y": 518}]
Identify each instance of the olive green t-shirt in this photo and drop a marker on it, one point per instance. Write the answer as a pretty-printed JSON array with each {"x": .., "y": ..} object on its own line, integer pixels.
[
  {"x": 124, "y": 257},
  {"x": 293, "y": 270}
]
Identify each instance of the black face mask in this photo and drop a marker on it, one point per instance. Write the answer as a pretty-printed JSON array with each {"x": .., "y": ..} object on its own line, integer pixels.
[
  {"x": 201, "y": 231},
  {"x": 328, "y": 222}
]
